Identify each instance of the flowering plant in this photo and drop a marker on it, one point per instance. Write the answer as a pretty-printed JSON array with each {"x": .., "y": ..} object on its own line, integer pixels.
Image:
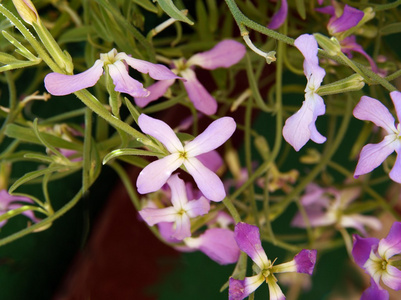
[{"x": 237, "y": 128}]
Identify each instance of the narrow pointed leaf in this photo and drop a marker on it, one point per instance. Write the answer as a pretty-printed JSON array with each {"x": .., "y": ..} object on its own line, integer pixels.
[{"x": 170, "y": 9}]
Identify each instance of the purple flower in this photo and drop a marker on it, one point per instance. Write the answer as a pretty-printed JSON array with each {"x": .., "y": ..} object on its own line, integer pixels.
[
  {"x": 248, "y": 240},
  {"x": 300, "y": 127},
  {"x": 116, "y": 64},
  {"x": 374, "y": 257},
  {"x": 372, "y": 155},
  {"x": 327, "y": 206},
  {"x": 280, "y": 16},
  {"x": 154, "y": 175},
  {"x": 181, "y": 211},
  {"x": 9, "y": 202},
  {"x": 223, "y": 55}
]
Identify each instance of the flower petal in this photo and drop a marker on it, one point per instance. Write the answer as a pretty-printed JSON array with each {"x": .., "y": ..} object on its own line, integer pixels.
[
  {"x": 211, "y": 160},
  {"x": 225, "y": 54},
  {"x": 305, "y": 261},
  {"x": 279, "y": 17},
  {"x": 361, "y": 249},
  {"x": 153, "y": 216},
  {"x": 161, "y": 131},
  {"x": 396, "y": 97},
  {"x": 61, "y": 84},
  {"x": 374, "y": 292},
  {"x": 124, "y": 83},
  {"x": 370, "y": 109},
  {"x": 199, "y": 96},
  {"x": 208, "y": 182},
  {"x": 359, "y": 221},
  {"x": 182, "y": 227},
  {"x": 300, "y": 127},
  {"x": 391, "y": 245},
  {"x": 217, "y": 243},
  {"x": 178, "y": 192},
  {"x": 216, "y": 134},
  {"x": 198, "y": 207},
  {"x": 156, "y": 71},
  {"x": 395, "y": 173},
  {"x": 372, "y": 155},
  {"x": 240, "y": 289},
  {"x": 392, "y": 277},
  {"x": 156, "y": 90},
  {"x": 349, "y": 18},
  {"x": 275, "y": 292},
  {"x": 155, "y": 174},
  {"x": 248, "y": 240}
]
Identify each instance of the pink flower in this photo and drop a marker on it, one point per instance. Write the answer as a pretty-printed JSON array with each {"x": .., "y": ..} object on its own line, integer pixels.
[
  {"x": 155, "y": 175},
  {"x": 223, "y": 55},
  {"x": 300, "y": 127},
  {"x": 9, "y": 202},
  {"x": 372, "y": 155},
  {"x": 116, "y": 64}
]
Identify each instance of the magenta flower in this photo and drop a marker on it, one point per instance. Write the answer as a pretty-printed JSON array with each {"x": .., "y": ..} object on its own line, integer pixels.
[
  {"x": 300, "y": 127},
  {"x": 372, "y": 155},
  {"x": 280, "y": 16},
  {"x": 327, "y": 206},
  {"x": 116, "y": 64},
  {"x": 248, "y": 240},
  {"x": 181, "y": 211},
  {"x": 9, "y": 202},
  {"x": 374, "y": 257},
  {"x": 223, "y": 55},
  {"x": 154, "y": 175}
]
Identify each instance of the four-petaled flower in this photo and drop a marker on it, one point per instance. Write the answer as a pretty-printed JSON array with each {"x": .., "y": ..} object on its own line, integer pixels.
[
  {"x": 9, "y": 202},
  {"x": 181, "y": 211},
  {"x": 154, "y": 175},
  {"x": 375, "y": 257},
  {"x": 248, "y": 240},
  {"x": 372, "y": 155},
  {"x": 225, "y": 54},
  {"x": 300, "y": 127},
  {"x": 116, "y": 65}
]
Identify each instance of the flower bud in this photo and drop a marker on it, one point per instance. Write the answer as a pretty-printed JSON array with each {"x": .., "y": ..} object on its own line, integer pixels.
[
  {"x": 331, "y": 46},
  {"x": 352, "y": 83},
  {"x": 27, "y": 11}
]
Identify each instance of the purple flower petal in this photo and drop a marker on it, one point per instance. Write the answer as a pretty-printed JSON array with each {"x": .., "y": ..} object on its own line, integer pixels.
[
  {"x": 392, "y": 277},
  {"x": 156, "y": 71},
  {"x": 396, "y": 97},
  {"x": 280, "y": 16},
  {"x": 248, "y": 240},
  {"x": 155, "y": 174},
  {"x": 375, "y": 292},
  {"x": 61, "y": 84},
  {"x": 211, "y": 160},
  {"x": 305, "y": 261},
  {"x": 198, "y": 207},
  {"x": 300, "y": 127},
  {"x": 207, "y": 181},
  {"x": 240, "y": 289},
  {"x": 157, "y": 90},
  {"x": 199, "y": 96},
  {"x": 124, "y": 83},
  {"x": 161, "y": 131},
  {"x": 395, "y": 173},
  {"x": 361, "y": 249},
  {"x": 349, "y": 44},
  {"x": 178, "y": 191},
  {"x": 349, "y": 18},
  {"x": 359, "y": 221},
  {"x": 225, "y": 54},
  {"x": 372, "y": 155},
  {"x": 217, "y": 133},
  {"x": 391, "y": 245},
  {"x": 217, "y": 243},
  {"x": 370, "y": 109},
  {"x": 182, "y": 227},
  {"x": 153, "y": 216}
]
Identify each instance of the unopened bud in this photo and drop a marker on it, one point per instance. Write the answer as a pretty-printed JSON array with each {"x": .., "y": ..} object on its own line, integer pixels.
[
  {"x": 27, "y": 11},
  {"x": 354, "y": 82},
  {"x": 330, "y": 45}
]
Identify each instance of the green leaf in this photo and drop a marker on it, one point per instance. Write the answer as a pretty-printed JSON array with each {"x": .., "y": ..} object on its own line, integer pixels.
[
  {"x": 146, "y": 4},
  {"x": 391, "y": 28},
  {"x": 169, "y": 8},
  {"x": 301, "y": 8},
  {"x": 78, "y": 34},
  {"x": 123, "y": 152}
]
